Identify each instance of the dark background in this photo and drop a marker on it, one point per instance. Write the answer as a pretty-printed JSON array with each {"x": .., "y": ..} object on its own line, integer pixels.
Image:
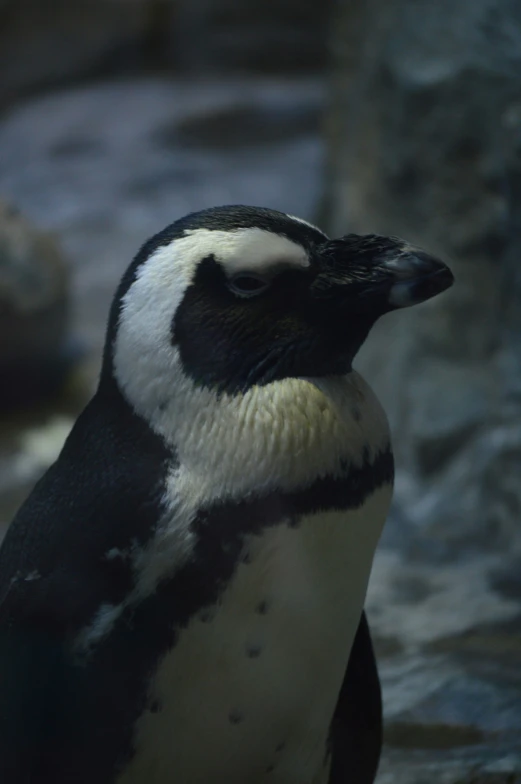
[{"x": 394, "y": 116}]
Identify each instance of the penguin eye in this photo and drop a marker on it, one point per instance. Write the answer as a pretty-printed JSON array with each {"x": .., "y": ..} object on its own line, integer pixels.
[{"x": 247, "y": 284}]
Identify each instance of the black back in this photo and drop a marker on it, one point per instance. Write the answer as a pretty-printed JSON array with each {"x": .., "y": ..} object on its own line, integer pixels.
[{"x": 104, "y": 492}]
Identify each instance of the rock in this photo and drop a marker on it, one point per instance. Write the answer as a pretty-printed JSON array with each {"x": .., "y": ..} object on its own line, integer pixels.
[
  {"x": 34, "y": 311},
  {"x": 448, "y": 641},
  {"x": 254, "y": 124},
  {"x": 425, "y": 140},
  {"x": 288, "y": 36},
  {"x": 58, "y": 42}
]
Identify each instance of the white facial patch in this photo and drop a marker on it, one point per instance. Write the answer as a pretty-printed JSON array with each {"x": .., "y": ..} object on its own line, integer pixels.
[
  {"x": 145, "y": 362},
  {"x": 250, "y": 250}
]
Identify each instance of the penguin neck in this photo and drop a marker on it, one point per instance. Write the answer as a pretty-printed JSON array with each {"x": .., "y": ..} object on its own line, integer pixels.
[{"x": 282, "y": 435}]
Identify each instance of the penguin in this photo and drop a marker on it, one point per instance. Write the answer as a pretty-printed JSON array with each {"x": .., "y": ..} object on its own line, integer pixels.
[{"x": 182, "y": 593}]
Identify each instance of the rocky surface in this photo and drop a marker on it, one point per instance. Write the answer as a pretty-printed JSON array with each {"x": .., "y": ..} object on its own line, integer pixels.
[
  {"x": 35, "y": 346},
  {"x": 58, "y": 42},
  {"x": 110, "y": 165},
  {"x": 433, "y": 154},
  {"x": 288, "y": 36}
]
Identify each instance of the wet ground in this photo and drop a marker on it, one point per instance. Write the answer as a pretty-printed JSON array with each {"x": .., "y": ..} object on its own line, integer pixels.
[{"x": 106, "y": 166}]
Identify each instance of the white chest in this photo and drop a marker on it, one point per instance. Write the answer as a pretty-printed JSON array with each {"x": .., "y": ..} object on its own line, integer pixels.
[{"x": 248, "y": 692}]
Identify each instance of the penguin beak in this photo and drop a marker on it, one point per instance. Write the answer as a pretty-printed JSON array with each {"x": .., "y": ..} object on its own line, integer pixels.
[
  {"x": 417, "y": 277},
  {"x": 379, "y": 274}
]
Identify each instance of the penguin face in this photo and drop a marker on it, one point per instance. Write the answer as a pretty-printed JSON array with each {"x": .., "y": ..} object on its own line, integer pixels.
[{"x": 235, "y": 297}]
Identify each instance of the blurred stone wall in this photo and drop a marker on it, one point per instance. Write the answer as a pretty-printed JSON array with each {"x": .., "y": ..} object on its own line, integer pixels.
[
  {"x": 425, "y": 142},
  {"x": 52, "y": 42},
  {"x": 266, "y": 35},
  {"x": 48, "y": 42}
]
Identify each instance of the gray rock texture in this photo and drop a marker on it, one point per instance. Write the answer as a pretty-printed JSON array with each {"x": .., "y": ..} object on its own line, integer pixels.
[
  {"x": 425, "y": 143},
  {"x": 57, "y": 42},
  {"x": 45, "y": 42},
  {"x": 34, "y": 310},
  {"x": 287, "y": 35}
]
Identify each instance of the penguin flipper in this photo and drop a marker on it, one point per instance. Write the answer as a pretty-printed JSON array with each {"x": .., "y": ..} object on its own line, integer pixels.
[
  {"x": 357, "y": 726},
  {"x": 57, "y": 573}
]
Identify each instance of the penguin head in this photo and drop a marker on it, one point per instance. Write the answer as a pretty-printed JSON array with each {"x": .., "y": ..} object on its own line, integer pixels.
[{"x": 234, "y": 297}]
